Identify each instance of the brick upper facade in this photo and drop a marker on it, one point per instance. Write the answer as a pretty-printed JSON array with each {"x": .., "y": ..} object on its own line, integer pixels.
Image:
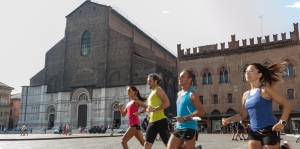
[{"x": 219, "y": 74}]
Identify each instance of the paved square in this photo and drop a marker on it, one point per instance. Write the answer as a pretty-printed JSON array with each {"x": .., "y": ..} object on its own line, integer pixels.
[{"x": 103, "y": 141}]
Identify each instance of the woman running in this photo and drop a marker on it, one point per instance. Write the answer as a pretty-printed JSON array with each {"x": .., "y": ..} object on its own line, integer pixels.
[
  {"x": 257, "y": 103},
  {"x": 131, "y": 110}
]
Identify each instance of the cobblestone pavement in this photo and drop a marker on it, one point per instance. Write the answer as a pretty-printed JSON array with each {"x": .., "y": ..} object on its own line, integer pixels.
[{"x": 99, "y": 141}]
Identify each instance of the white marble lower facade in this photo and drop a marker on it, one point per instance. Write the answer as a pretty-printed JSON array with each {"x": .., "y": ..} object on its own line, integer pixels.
[{"x": 40, "y": 109}]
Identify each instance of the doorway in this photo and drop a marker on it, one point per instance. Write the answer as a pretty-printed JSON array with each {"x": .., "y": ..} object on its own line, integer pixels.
[
  {"x": 51, "y": 121},
  {"x": 82, "y": 115},
  {"x": 117, "y": 119}
]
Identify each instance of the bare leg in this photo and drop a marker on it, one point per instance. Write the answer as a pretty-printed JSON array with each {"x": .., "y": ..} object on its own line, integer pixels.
[
  {"x": 272, "y": 146},
  {"x": 127, "y": 136},
  {"x": 174, "y": 142},
  {"x": 252, "y": 144},
  {"x": 147, "y": 145},
  {"x": 139, "y": 136}
]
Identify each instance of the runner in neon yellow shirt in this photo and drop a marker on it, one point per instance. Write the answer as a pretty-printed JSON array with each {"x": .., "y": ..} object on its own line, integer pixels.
[{"x": 157, "y": 102}]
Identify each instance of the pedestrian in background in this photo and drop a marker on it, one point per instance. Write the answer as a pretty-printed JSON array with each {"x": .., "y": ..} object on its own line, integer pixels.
[
  {"x": 65, "y": 129},
  {"x": 145, "y": 123},
  {"x": 60, "y": 129}
]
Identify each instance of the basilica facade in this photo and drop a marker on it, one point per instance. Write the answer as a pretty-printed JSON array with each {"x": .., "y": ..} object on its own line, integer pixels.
[{"x": 87, "y": 72}]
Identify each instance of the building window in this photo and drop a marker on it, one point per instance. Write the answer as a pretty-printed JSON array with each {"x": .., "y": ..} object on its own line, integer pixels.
[
  {"x": 291, "y": 94},
  {"x": 194, "y": 82},
  {"x": 266, "y": 64},
  {"x": 215, "y": 97},
  {"x": 201, "y": 99},
  {"x": 229, "y": 96},
  {"x": 207, "y": 76},
  {"x": 116, "y": 106},
  {"x": 289, "y": 70},
  {"x": 11, "y": 103},
  {"x": 224, "y": 75},
  {"x": 52, "y": 110},
  {"x": 83, "y": 97},
  {"x": 10, "y": 113},
  {"x": 85, "y": 43},
  {"x": 0, "y": 114}
]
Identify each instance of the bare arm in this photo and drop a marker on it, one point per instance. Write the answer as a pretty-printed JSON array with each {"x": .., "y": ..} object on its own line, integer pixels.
[
  {"x": 195, "y": 100},
  {"x": 242, "y": 115},
  {"x": 274, "y": 95},
  {"x": 164, "y": 98},
  {"x": 140, "y": 103},
  {"x": 123, "y": 112}
]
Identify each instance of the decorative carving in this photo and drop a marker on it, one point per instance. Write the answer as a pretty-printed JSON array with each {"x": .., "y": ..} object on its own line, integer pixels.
[{"x": 83, "y": 97}]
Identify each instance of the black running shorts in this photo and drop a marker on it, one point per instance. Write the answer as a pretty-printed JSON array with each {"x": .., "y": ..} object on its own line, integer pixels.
[
  {"x": 159, "y": 127},
  {"x": 266, "y": 136},
  {"x": 186, "y": 134}
]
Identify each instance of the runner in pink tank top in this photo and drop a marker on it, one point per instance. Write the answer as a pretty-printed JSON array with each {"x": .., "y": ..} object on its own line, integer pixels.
[{"x": 131, "y": 110}]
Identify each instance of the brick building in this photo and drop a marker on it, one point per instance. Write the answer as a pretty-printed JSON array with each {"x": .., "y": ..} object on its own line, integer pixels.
[
  {"x": 14, "y": 110},
  {"x": 5, "y": 92},
  {"x": 220, "y": 80},
  {"x": 87, "y": 72}
]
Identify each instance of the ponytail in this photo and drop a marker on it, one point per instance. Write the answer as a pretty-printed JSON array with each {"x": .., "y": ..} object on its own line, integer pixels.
[
  {"x": 137, "y": 93},
  {"x": 271, "y": 75}
]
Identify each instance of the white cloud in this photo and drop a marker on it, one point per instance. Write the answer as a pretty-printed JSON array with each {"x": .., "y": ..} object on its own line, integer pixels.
[
  {"x": 166, "y": 12},
  {"x": 295, "y": 5}
]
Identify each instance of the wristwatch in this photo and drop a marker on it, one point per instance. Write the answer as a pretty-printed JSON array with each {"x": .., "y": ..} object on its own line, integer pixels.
[
  {"x": 283, "y": 122},
  {"x": 184, "y": 118},
  {"x": 153, "y": 109}
]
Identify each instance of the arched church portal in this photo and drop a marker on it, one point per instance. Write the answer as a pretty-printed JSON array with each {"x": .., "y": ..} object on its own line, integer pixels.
[
  {"x": 82, "y": 115},
  {"x": 51, "y": 117},
  {"x": 116, "y": 116}
]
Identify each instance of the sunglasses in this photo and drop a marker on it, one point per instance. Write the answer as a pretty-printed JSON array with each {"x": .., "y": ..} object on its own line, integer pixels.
[{"x": 152, "y": 74}]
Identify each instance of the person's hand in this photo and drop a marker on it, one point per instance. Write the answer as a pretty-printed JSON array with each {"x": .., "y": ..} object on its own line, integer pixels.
[
  {"x": 149, "y": 109},
  {"x": 136, "y": 113},
  {"x": 179, "y": 119},
  {"x": 121, "y": 105},
  {"x": 225, "y": 121},
  {"x": 278, "y": 127}
]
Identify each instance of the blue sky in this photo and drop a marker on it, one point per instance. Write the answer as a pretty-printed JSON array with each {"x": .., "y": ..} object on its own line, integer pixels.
[{"x": 30, "y": 28}]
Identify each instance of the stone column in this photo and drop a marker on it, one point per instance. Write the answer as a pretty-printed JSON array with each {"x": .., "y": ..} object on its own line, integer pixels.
[{"x": 89, "y": 113}]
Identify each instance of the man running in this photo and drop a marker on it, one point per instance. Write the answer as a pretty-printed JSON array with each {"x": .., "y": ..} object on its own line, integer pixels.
[
  {"x": 188, "y": 106},
  {"x": 157, "y": 102}
]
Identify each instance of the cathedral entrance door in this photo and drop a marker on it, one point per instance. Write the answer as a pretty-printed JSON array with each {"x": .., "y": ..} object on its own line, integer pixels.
[
  {"x": 51, "y": 121},
  {"x": 117, "y": 118},
  {"x": 82, "y": 115}
]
